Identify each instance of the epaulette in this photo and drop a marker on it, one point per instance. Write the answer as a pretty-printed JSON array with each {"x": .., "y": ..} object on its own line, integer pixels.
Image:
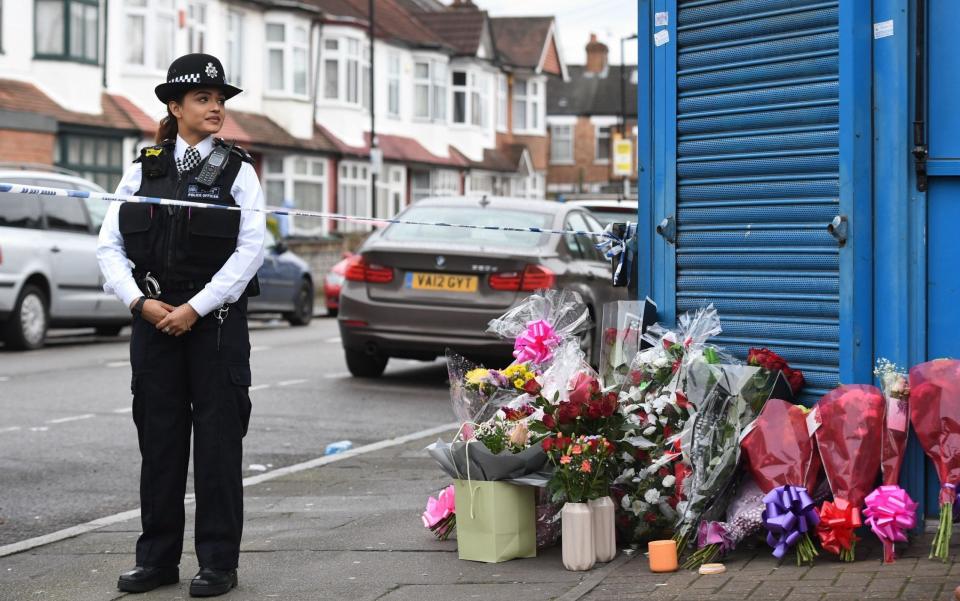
[{"x": 237, "y": 151}]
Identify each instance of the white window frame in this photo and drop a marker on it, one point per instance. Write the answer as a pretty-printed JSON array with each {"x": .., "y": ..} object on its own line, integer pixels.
[
  {"x": 436, "y": 85},
  {"x": 502, "y": 102},
  {"x": 151, "y": 14},
  {"x": 353, "y": 194},
  {"x": 289, "y": 178},
  {"x": 288, "y": 47},
  {"x": 352, "y": 52},
  {"x": 235, "y": 46},
  {"x": 393, "y": 84},
  {"x": 198, "y": 12},
  {"x": 570, "y": 127},
  {"x": 599, "y": 122},
  {"x": 391, "y": 188},
  {"x": 534, "y": 101}
]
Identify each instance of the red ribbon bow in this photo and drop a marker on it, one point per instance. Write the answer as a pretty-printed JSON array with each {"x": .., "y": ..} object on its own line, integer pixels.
[{"x": 838, "y": 520}]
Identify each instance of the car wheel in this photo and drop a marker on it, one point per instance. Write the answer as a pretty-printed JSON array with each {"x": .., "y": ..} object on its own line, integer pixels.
[
  {"x": 363, "y": 365},
  {"x": 27, "y": 327},
  {"x": 108, "y": 331},
  {"x": 303, "y": 307}
]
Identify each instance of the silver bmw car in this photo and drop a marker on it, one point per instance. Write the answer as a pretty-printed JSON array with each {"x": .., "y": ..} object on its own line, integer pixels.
[{"x": 412, "y": 291}]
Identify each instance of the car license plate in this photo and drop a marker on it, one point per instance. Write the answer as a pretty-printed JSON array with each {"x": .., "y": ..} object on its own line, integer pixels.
[{"x": 447, "y": 282}]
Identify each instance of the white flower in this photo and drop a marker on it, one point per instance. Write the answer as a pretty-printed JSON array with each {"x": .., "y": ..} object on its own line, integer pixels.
[
  {"x": 638, "y": 507},
  {"x": 651, "y": 496},
  {"x": 650, "y": 430},
  {"x": 668, "y": 481},
  {"x": 626, "y": 502},
  {"x": 661, "y": 362}
]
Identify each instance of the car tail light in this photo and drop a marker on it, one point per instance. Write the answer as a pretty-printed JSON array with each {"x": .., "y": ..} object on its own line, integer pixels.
[
  {"x": 533, "y": 277},
  {"x": 359, "y": 270}
]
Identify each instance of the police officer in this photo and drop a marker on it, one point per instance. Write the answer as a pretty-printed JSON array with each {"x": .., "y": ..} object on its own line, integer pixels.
[{"x": 193, "y": 270}]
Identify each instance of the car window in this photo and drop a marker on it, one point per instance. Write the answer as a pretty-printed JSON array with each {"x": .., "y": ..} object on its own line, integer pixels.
[
  {"x": 64, "y": 214},
  {"x": 594, "y": 226},
  {"x": 577, "y": 244},
  {"x": 97, "y": 208},
  {"x": 607, "y": 216},
  {"x": 20, "y": 210},
  {"x": 484, "y": 217}
]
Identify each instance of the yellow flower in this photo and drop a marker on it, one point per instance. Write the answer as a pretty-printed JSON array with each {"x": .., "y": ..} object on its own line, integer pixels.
[
  {"x": 518, "y": 383},
  {"x": 476, "y": 376}
]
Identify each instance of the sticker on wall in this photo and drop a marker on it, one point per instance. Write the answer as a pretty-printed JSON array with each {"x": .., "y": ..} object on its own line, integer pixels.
[
  {"x": 661, "y": 19},
  {"x": 661, "y": 37},
  {"x": 883, "y": 29}
]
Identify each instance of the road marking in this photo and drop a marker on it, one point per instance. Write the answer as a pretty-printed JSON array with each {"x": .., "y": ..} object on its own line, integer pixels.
[
  {"x": 259, "y": 387},
  {"x": 4, "y": 378},
  {"x": 290, "y": 382},
  {"x": 72, "y": 418},
  {"x": 39, "y": 429},
  {"x": 46, "y": 539},
  {"x": 118, "y": 364},
  {"x": 9, "y": 429},
  {"x": 123, "y": 410},
  {"x": 336, "y": 376},
  {"x": 257, "y": 349},
  {"x": 333, "y": 340}
]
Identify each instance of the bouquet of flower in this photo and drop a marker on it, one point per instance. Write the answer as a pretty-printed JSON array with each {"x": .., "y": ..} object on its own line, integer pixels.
[
  {"x": 624, "y": 323},
  {"x": 849, "y": 436},
  {"x": 781, "y": 457},
  {"x": 541, "y": 323},
  {"x": 890, "y": 511},
  {"x": 655, "y": 409},
  {"x": 728, "y": 398},
  {"x": 581, "y": 463},
  {"x": 441, "y": 514},
  {"x": 744, "y": 517},
  {"x": 476, "y": 392},
  {"x": 769, "y": 360},
  {"x": 935, "y": 414}
]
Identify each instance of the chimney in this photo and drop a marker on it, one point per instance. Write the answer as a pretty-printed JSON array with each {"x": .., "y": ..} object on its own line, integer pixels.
[
  {"x": 596, "y": 55},
  {"x": 463, "y": 4}
]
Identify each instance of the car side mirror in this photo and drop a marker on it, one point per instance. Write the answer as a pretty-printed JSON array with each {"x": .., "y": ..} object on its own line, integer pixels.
[{"x": 280, "y": 247}]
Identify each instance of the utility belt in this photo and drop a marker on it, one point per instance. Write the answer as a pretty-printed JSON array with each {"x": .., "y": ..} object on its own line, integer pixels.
[{"x": 153, "y": 286}]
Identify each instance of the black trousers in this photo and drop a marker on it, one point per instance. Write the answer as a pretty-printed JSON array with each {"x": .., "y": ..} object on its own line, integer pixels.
[{"x": 179, "y": 384}]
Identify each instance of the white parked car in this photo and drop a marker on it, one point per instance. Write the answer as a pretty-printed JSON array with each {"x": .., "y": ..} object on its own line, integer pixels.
[
  {"x": 607, "y": 208},
  {"x": 49, "y": 276}
]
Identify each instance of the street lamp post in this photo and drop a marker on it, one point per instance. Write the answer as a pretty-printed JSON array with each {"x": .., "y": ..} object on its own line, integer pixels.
[
  {"x": 623, "y": 99},
  {"x": 373, "y": 119}
]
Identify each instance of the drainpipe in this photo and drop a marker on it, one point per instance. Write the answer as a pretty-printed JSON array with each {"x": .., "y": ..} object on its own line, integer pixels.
[
  {"x": 315, "y": 56},
  {"x": 106, "y": 33},
  {"x": 373, "y": 116}
]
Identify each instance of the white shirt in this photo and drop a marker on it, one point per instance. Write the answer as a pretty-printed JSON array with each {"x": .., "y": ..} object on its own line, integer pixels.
[{"x": 227, "y": 284}]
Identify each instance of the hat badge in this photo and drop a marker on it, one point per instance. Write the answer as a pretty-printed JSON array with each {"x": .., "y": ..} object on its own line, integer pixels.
[{"x": 211, "y": 71}]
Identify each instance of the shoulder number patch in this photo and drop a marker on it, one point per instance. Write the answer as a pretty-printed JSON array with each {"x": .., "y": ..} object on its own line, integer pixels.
[{"x": 153, "y": 152}]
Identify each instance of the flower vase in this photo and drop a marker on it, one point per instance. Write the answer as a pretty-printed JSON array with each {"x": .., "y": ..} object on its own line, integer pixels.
[
  {"x": 579, "y": 553},
  {"x": 604, "y": 529}
]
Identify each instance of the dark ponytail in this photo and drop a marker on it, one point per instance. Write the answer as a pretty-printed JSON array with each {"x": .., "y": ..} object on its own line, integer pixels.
[{"x": 168, "y": 125}]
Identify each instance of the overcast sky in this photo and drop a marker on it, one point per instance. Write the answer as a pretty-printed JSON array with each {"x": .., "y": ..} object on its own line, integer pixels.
[{"x": 577, "y": 19}]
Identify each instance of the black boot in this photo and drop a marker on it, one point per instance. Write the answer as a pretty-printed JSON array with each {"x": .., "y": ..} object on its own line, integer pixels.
[
  {"x": 141, "y": 579},
  {"x": 210, "y": 583}
]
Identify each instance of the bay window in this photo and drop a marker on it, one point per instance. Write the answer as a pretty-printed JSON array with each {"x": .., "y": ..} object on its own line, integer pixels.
[
  {"x": 353, "y": 194},
  {"x": 67, "y": 30},
  {"x": 502, "y": 102},
  {"x": 235, "y": 44},
  {"x": 287, "y": 48},
  {"x": 150, "y": 27},
  {"x": 528, "y": 106},
  {"x": 470, "y": 98},
  {"x": 346, "y": 71},
  {"x": 298, "y": 181},
  {"x": 430, "y": 90}
]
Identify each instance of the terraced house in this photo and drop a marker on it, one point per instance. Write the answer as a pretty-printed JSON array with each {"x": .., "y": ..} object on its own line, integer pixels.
[{"x": 457, "y": 98}]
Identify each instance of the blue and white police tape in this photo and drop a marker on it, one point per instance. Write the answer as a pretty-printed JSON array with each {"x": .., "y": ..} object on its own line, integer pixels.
[
  {"x": 624, "y": 249},
  {"x": 43, "y": 191}
]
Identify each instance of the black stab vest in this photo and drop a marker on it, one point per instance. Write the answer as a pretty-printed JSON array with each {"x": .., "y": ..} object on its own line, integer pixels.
[{"x": 181, "y": 246}]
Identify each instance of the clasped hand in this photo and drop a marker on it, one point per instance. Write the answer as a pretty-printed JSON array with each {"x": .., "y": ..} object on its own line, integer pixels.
[{"x": 175, "y": 321}]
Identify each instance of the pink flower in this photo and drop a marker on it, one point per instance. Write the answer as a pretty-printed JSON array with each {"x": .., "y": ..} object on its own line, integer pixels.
[{"x": 440, "y": 508}]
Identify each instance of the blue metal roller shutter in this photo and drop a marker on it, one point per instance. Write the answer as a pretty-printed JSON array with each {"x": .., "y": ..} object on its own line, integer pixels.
[{"x": 758, "y": 177}]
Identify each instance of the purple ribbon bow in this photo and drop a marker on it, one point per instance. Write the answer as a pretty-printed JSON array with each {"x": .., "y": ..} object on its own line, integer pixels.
[
  {"x": 714, "y": 533},
  {"x": 536, "y": 344},
  {"x": 789, "y": 514}
]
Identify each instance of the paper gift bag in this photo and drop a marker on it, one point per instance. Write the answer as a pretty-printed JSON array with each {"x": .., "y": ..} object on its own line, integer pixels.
[{"x": 496, "y": 522}]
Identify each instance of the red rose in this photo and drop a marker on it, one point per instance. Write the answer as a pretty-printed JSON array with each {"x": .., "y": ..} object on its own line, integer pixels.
[
  {"x": 547, "y": 444},
  {"x": 532, "y": 387},
  {"x": 549, "y": 421},
  {"x": 676, "y": 365},
  {"x": 636, "y": 378},
  {"x": 673, "y": 502},
  {"x": 594, "y": 410},
  {"x": 663, "y": 472},
  {"x": 682, "y": 401},
  {"x": 583, "y": 388},
  {"x": 594, "y": 443},
  {"x": 609, "y": 336},
  {"x": 766, "y": 359},
  {"x": 609, "y": 404},
  {"x": 667, "y": 432},
  {"x": 796, "y": 379},
  {"x": 568, "y": 412},
  {"x": 649, "y": 517}
]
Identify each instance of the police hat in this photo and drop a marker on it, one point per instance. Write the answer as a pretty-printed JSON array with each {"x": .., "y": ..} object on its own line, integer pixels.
[{"x": 194, "y": 71}]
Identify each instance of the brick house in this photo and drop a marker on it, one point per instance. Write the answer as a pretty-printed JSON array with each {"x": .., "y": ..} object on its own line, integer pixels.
[{"x": 584, "y": 116}]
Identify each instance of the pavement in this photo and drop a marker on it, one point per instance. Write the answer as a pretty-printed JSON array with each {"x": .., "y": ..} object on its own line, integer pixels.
[{"x": 350, "y": 529}]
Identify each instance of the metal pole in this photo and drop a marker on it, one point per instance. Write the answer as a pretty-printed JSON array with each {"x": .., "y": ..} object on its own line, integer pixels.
[{"x": 373, "y": 112}]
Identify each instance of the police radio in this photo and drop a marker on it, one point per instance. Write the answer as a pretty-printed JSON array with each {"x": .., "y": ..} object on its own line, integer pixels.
[{"x": 213, "y": 166}]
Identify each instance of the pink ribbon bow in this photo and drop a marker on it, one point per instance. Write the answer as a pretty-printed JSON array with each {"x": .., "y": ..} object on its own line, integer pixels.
[
  {"x": 536, "y": 344},
  {"x": 890, "y": 513},
  {"x": 440, "y": 508}
]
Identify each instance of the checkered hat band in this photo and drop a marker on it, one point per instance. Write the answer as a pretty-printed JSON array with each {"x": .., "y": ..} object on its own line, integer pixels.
[{"x": 189, "y": 78}]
